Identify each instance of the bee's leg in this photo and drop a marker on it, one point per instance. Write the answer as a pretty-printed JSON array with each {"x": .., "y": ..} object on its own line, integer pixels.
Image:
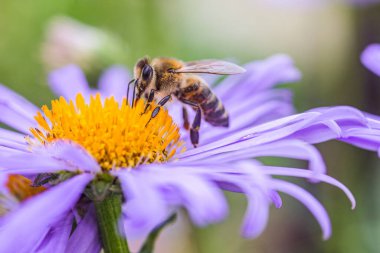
[
  {"x": 194, "y": 130},
  {"x": 150, "y": 99},
  {"x": 43, "y": 178},
  {"x": 127, "y": 97},
  {"x": 156, "y": 110},
  {"x": 185, "y": 115}
]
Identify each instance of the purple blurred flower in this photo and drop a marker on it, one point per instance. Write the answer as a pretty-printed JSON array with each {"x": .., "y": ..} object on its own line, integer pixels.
[
  {"x": 262, "y": 124},
  {"x": 371, "y": 58}
]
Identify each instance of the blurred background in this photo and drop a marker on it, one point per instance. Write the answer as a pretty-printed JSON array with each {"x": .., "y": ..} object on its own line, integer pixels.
[{"x": 325, "y": 39}]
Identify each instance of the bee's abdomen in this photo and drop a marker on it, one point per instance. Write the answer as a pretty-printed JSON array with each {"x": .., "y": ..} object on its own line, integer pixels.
[
  {"x": 212, "y": 108},
  {"x": 214, "y": 111}
]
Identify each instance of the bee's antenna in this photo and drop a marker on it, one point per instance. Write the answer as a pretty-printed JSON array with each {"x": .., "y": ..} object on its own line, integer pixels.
[
  {"x": 134, "y": 93},
  {"x": 128, "y": 90}
]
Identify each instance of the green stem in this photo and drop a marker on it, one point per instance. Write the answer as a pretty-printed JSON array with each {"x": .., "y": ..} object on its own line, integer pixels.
[{"x": 108, "y": 213}]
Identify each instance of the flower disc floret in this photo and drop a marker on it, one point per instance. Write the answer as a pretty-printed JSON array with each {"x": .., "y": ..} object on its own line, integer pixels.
[{"x": 117, "y": 135}]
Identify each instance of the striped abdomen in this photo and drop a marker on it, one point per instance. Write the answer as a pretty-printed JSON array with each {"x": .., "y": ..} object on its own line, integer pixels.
[{"x": 211, "y": 106}]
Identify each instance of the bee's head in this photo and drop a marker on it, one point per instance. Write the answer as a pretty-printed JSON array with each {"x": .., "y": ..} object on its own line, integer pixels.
[{"x": 144, "y": 75}]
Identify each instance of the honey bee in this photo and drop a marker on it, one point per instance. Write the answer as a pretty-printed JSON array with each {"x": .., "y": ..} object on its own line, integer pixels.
[{"x": 161, "y": 78}]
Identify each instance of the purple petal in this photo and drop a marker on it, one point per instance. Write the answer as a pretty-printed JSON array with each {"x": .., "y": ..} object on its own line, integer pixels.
[
  {"x": 13, "y": 146},
  {"x": 12, "y": 136},
  {"x": 309, "y": 201},
  {"x": 251, "y": 116},
  {"x": 286, "y": 148},
  {"x": 245, "y": 177},
  {"x": 264, "y": 133},
  {"x": 202, "y": 199},
  {"x": 371, "y": 58},
  {"x": 153, "y": 192},
  {"x": 336, "y": 122},
  {"x": 282, "y": 171},
  {"x": 72, "y": 154},
  {"x": 260, "y": 75},
  {"x": 144, "y": 208},
  {"x": 68, "y": 82},
  {"x": 52, "y": 157},
  {"x": 29, "y": 163},
  {"x": 57, "y": 237},
  {"x": 256, "y": 215},
  {"x": 85, "y": 238},
  {"x": 114, "y": 81},
  {"x": 32, "y": 221},
  {"x": 16, "y": 111}
]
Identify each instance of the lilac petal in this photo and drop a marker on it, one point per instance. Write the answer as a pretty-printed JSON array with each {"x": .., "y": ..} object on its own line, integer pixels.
[
  {"x": 256, "y": 216},
  {"x": 240, "y": 175},
  {"x": 72, "y": 154},
  {"x": 288, "y": 149},
  {"x": 248, "y": 118},
  {"x": 365, "y": 139},
  {"x": 19, "y": 101},
  {"x": 12, "y": 136},
  {"x": 57, "y": 237},
  {"x": 10, "y": 144},
  {"x": 155, "y": 189},
  {"x": 16, "y": 111},
  {"x": 52, "y": 157},
  {"x": 68, "y": 82},
  {"x": 276, "y": 199},
  {"x": 202, "y": 199},
  {"x": 294, "y": 149},
  {"x": 144, "y": 208},
  {"x": 114, "y": 82},
  {"x": 264, "y": 133},
  {"x": 29, "y": 163},
  {"x": 301, "y": 126},
  {"x": 373, "y": 120},
  {"x": 293, "y": 172},
  {"x": 85, "y": 238},
  {"x": 28, "y": 225},
  {"x": 309, "y": 201},
  {"x": 371, "y": 58},
  {"x": 260, "y": 75},
  {"x": 249, "y": 178}
]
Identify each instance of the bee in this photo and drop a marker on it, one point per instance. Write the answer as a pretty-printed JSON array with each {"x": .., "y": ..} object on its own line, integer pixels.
[{"x": 160, "y": 79}]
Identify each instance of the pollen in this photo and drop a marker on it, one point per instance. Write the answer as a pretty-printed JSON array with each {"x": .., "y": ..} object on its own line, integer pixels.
[
  {"x": 21, "y": 187},
  {"x": 117, "y": 135}
]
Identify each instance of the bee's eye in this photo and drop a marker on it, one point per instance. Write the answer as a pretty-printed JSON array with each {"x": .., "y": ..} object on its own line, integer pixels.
[{"x": 147, "y": 72}]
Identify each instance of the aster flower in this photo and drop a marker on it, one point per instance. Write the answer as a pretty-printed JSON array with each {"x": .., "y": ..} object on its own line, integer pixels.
[
  {"x": 102, "y": 165},
  {"x": 371, "y": 58}
]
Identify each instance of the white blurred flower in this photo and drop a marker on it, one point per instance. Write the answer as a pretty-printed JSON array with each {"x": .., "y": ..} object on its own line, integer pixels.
[{"x": 71, "y": 42}]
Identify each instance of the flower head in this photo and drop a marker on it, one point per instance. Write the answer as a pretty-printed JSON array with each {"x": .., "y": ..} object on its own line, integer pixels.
[
  {"x": 94, "y": 145},
  {"x": 116, "y": 135}
]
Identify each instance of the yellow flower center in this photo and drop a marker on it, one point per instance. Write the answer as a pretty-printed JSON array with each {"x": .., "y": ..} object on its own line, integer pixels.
[{"x": 117, "y": 135}]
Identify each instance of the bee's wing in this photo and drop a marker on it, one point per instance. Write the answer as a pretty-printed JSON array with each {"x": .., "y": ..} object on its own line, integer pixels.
[{"x": 211, "y": 67}]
